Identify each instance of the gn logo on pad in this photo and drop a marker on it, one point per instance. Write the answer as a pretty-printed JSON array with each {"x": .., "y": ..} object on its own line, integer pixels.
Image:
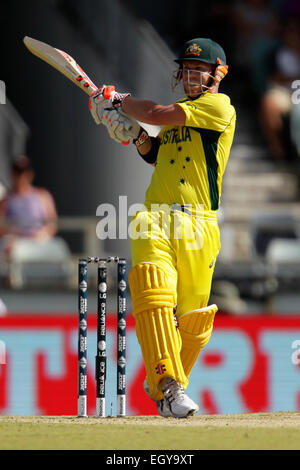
[{"x": 160, "y": 369}]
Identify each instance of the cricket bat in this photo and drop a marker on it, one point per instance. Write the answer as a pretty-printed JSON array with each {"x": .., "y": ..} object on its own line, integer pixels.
[
  {"x": 62, "y": 62},
  {"x": 66, "y": 65}
]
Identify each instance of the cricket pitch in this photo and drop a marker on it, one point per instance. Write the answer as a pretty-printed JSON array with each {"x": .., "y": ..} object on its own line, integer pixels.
[{"x": 255, "y": 431}]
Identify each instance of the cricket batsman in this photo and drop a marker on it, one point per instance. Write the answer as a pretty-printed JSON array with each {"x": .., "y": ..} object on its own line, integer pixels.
[{"x": 171, "y": 275}]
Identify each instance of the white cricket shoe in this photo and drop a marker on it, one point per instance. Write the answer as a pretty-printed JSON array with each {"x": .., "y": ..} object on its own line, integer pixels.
[
  {"x": 162, "y": 405},
  {"x": 180, "y": 405}
]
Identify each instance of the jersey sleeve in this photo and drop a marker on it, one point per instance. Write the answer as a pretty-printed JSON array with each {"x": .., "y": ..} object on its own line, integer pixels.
[{"x": 208, "y": 112}]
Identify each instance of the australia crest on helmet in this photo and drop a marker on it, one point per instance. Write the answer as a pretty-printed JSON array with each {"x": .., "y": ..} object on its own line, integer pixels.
[{"x": 193, "y": 49}]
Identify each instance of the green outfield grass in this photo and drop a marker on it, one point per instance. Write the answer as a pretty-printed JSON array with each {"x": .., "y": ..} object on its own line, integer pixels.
[{"x": 269, "y": 431}]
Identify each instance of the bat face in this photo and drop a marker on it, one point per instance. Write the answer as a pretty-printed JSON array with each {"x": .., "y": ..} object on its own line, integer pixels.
[
  {"x": 61, "y": 61},
  {"x": 66, "y": 65}
]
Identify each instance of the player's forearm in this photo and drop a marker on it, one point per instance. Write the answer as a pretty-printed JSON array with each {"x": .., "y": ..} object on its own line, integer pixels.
[
  {"x": 152, "y": 113},
  {"x": 141, "y": 110}
]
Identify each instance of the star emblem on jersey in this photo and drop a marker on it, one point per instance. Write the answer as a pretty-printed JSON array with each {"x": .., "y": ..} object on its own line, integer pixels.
[
  {"x": 160, "y": 369},
  {"x": 193, "y": 49}
]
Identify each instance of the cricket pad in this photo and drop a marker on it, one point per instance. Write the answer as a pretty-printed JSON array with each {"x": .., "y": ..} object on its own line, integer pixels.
[
  {"x": 195, "y": 329},
  {"x": 153, "y": 303}
]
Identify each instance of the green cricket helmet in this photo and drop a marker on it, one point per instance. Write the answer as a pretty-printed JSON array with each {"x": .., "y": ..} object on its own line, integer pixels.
[
  {"x": 203, "y": 49},
  {"x": 199, "y": 49}
]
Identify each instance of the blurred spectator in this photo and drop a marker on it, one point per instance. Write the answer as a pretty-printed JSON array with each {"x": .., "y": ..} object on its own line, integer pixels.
[
  {"x": 3, "y": 308},
  {"x": 26, "y": 211},
  {"x": 256, "y": 25},
  {"x": 227, "y": 296},
  {"x": 278, "y": 109}
]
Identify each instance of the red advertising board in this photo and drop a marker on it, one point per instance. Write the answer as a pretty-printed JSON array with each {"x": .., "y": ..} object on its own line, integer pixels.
[{"x": 251, "y": 364}]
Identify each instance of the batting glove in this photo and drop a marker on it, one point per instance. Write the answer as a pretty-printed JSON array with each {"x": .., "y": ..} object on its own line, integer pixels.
[
  {"x": 105, "y": 94},
  {"x": 95, "y": 102},
  {"x": 221, "y": 71},
  {"x": 121, "y": 128},
  {"x": 116, "y": 99}
]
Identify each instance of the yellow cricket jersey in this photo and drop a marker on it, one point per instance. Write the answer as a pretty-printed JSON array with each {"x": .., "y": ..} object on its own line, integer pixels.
[{"x": 192, "y": 158}]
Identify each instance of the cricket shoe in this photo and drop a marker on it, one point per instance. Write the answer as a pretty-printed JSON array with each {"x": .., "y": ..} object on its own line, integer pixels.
[
  {"x": 162, "y": 405},
  {"x": 180, "y": 405}
]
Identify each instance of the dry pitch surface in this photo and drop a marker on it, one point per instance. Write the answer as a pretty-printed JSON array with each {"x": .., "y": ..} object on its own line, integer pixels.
[{"x": 257, "y": 431}]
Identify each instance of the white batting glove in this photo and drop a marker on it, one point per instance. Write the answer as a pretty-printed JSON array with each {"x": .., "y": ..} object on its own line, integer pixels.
[
  {"x": 95, "y": 103},
  {"x": 105, "y": 94},
  {"x": 121, "y": 128}
]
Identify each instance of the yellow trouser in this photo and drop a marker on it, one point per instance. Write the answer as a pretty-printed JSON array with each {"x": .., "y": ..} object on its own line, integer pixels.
[
  {"x": 187, "y": 261},
  {"x": 188, "y": 266}
]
